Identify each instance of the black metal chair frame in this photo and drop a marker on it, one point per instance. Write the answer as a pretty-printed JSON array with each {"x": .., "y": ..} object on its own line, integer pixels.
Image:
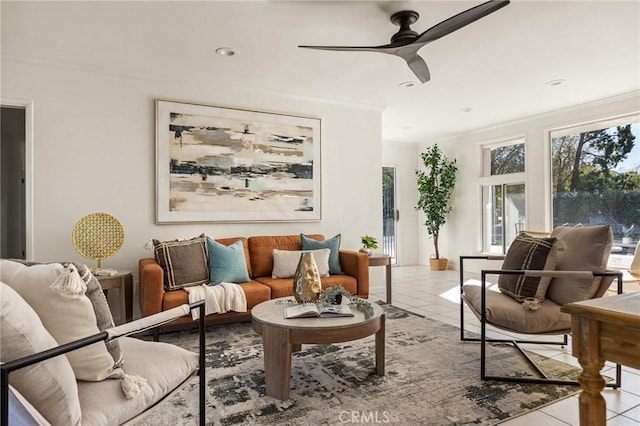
[
  {"x": 17, "y": 364},
  {"x": 516, "y": 342}
]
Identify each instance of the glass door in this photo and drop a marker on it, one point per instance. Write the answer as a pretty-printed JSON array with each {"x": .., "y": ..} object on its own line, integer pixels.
[{"x": 389, "y": 212}]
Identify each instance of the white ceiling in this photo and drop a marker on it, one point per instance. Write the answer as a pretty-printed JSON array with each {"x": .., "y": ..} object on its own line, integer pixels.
[{"x": 496, "y": 66}]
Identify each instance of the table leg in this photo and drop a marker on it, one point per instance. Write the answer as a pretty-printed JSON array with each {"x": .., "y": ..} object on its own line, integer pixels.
[
  {"x": 388, "y": 268},
  {"x": 127, "y": 291},
  {"x": 277, "y": 362},
  {"x": 380, "y": 348},
  {"x": 591, "y": 403}
]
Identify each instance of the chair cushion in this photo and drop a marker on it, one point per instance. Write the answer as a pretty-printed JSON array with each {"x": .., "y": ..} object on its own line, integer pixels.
[
  {"x": 587, "y": 248},
  {"x": 285, "y": 262},
  {"x": 310, "y": 243},
  {"x": 185, "y": 262},
  {"x": 163, "y": 365},
  {"x": 506, "y": 313},
  {"x": 227, "y": 262},
  {"x": 528, "y": 253},
  {"x": 49, "y": 386}
]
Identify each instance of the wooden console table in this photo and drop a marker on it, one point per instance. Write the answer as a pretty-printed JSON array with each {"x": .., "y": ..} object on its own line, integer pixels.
[
  {"x": 379, "y": 259},
  {"x": 123, "y": 281},
  {"x": 607, "y": 328}
]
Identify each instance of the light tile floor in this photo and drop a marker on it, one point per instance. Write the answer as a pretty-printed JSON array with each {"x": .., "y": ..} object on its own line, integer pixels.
[{"x": 435, "y": 294}]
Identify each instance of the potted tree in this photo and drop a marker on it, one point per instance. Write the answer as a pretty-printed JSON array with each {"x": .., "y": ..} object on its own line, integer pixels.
[{"x": 435, "y": 188}]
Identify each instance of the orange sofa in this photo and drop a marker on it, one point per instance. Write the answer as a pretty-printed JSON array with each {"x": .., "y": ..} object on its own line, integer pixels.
[{"x": 259, "y": 256}]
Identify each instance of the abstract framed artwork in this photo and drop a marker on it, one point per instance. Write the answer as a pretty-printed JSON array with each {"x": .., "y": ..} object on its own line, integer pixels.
[{"x": 217, "y": 164}]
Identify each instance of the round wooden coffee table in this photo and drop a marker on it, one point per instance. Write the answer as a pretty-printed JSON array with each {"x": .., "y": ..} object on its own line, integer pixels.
[{"x": 281, "y": 337}]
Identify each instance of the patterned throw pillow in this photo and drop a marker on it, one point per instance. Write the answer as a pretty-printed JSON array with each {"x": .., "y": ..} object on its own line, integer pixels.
[
  {"x": 333, "y": 244},
  {"x": 527, "y": 252},
  {"x": 185, "y": 262}
]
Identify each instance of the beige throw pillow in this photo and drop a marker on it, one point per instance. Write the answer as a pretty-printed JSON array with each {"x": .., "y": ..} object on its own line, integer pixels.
[
  {"x": 587, "y": 248},
  {"x": 49, "y": 386},
  {"x": 285, "y": 262},
  {"x": 67, "y": 317}
]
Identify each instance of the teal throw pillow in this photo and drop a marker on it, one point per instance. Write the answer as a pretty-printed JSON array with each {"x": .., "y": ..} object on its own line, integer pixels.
[
  {"x": 227, "y": 263},
  {"x": 333, "y": 244}
]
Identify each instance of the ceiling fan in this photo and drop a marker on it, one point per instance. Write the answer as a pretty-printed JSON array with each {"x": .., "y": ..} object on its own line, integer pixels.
[{"x": 406, "y": 42}]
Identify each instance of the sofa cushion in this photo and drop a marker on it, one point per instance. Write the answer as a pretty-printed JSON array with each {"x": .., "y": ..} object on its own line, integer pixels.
[
  {"x": 332, "y": 243},
  {"x": 504, "y": 312},
  {"x": 185, "y": 262},
  {"x": 283, "y": 287},
  {"x": 67, "y": 316},
  {"x": 285, "y": 262},
  {"x": 49, "y": 386},
  {"x": 528, "y": 253},
  {"x": 227, "y": 263},
  {"x": 254, "y": 292},
  {"x": 261, "y": 251},
  {"x": 587, "y": 248},
  {"x": 163, "y": 365}
]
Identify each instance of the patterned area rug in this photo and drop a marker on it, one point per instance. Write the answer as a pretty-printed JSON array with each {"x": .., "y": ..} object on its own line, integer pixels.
[{"x": 431, "y": 379}]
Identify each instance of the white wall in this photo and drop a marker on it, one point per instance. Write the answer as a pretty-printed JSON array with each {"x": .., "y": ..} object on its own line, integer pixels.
[
  {"x": 94, "y": 151},
  {"x": 461, "y": 235},
  {"x": 404, "y": 157}
]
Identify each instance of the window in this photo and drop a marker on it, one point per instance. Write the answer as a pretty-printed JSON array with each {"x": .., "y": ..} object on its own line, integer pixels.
[
  {"x": 596, "y": 179},
  {"x": 503, "y": 194}
]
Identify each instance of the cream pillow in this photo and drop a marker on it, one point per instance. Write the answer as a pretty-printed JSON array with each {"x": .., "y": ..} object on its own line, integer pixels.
[
  {"x": 285, "y": 262},
  {"x": 67, "y": 316},
  {"x": 49, "y": 386}
]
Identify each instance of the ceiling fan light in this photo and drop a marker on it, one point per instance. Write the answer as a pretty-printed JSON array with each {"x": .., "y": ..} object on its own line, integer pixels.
[
  {"x": 557, "y": 82},
  {"x": 407, "y": 84},
  {"x": 226, "y": 51}
]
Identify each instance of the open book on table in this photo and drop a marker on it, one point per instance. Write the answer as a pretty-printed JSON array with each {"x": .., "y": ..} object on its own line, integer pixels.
[{"x": 310, "y": 310}]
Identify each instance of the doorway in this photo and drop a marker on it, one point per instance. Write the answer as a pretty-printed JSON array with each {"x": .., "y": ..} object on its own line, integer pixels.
[
  {"x": 13, "y": 176},
  {"x": 389, "y": 213}
]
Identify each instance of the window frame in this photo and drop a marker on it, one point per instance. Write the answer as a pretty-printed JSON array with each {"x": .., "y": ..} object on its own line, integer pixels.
[
  {"x": 615, "y": 261},
  {"x": 486, "y": 180}
]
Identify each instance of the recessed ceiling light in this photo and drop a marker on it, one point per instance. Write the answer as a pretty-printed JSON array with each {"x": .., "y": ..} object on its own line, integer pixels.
[
  {"x": 465, "y": 109},
  {"x": 558, "y": 82},
  {"x": 226, "y": 51},
  {"x": 407, "y": 84}
]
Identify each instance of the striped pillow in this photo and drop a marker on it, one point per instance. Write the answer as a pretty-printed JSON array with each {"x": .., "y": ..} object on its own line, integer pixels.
[
  {"x": 185, "y": 262},
  {"x": 527, "y": 252}
]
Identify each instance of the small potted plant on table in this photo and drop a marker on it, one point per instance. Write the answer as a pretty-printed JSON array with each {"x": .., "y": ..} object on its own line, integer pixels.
[{"x": 368, "y": 244}]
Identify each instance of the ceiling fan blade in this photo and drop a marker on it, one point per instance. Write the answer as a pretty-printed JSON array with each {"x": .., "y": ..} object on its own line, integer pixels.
[
  {"x": 460, "y": 20},
  {"x": 380, "y": 49},
  {"x": 419, "y": 68}
]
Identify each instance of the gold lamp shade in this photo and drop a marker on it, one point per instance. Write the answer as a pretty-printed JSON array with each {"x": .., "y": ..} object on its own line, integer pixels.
[{"x": 98, "y": 236}]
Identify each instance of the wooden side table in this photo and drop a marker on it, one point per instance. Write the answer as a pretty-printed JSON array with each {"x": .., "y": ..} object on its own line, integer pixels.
[
  {"x": 606, "y": 328},
  {"x": 123, "y": 281},
  {"x": 380, "y": 259}
]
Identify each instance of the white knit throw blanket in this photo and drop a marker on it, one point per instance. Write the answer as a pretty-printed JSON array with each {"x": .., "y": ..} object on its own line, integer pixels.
[{"x": 218, "y": 299}]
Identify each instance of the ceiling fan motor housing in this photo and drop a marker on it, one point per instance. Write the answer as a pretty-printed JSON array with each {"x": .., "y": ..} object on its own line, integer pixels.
[{"x": 404, "y": 19}]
